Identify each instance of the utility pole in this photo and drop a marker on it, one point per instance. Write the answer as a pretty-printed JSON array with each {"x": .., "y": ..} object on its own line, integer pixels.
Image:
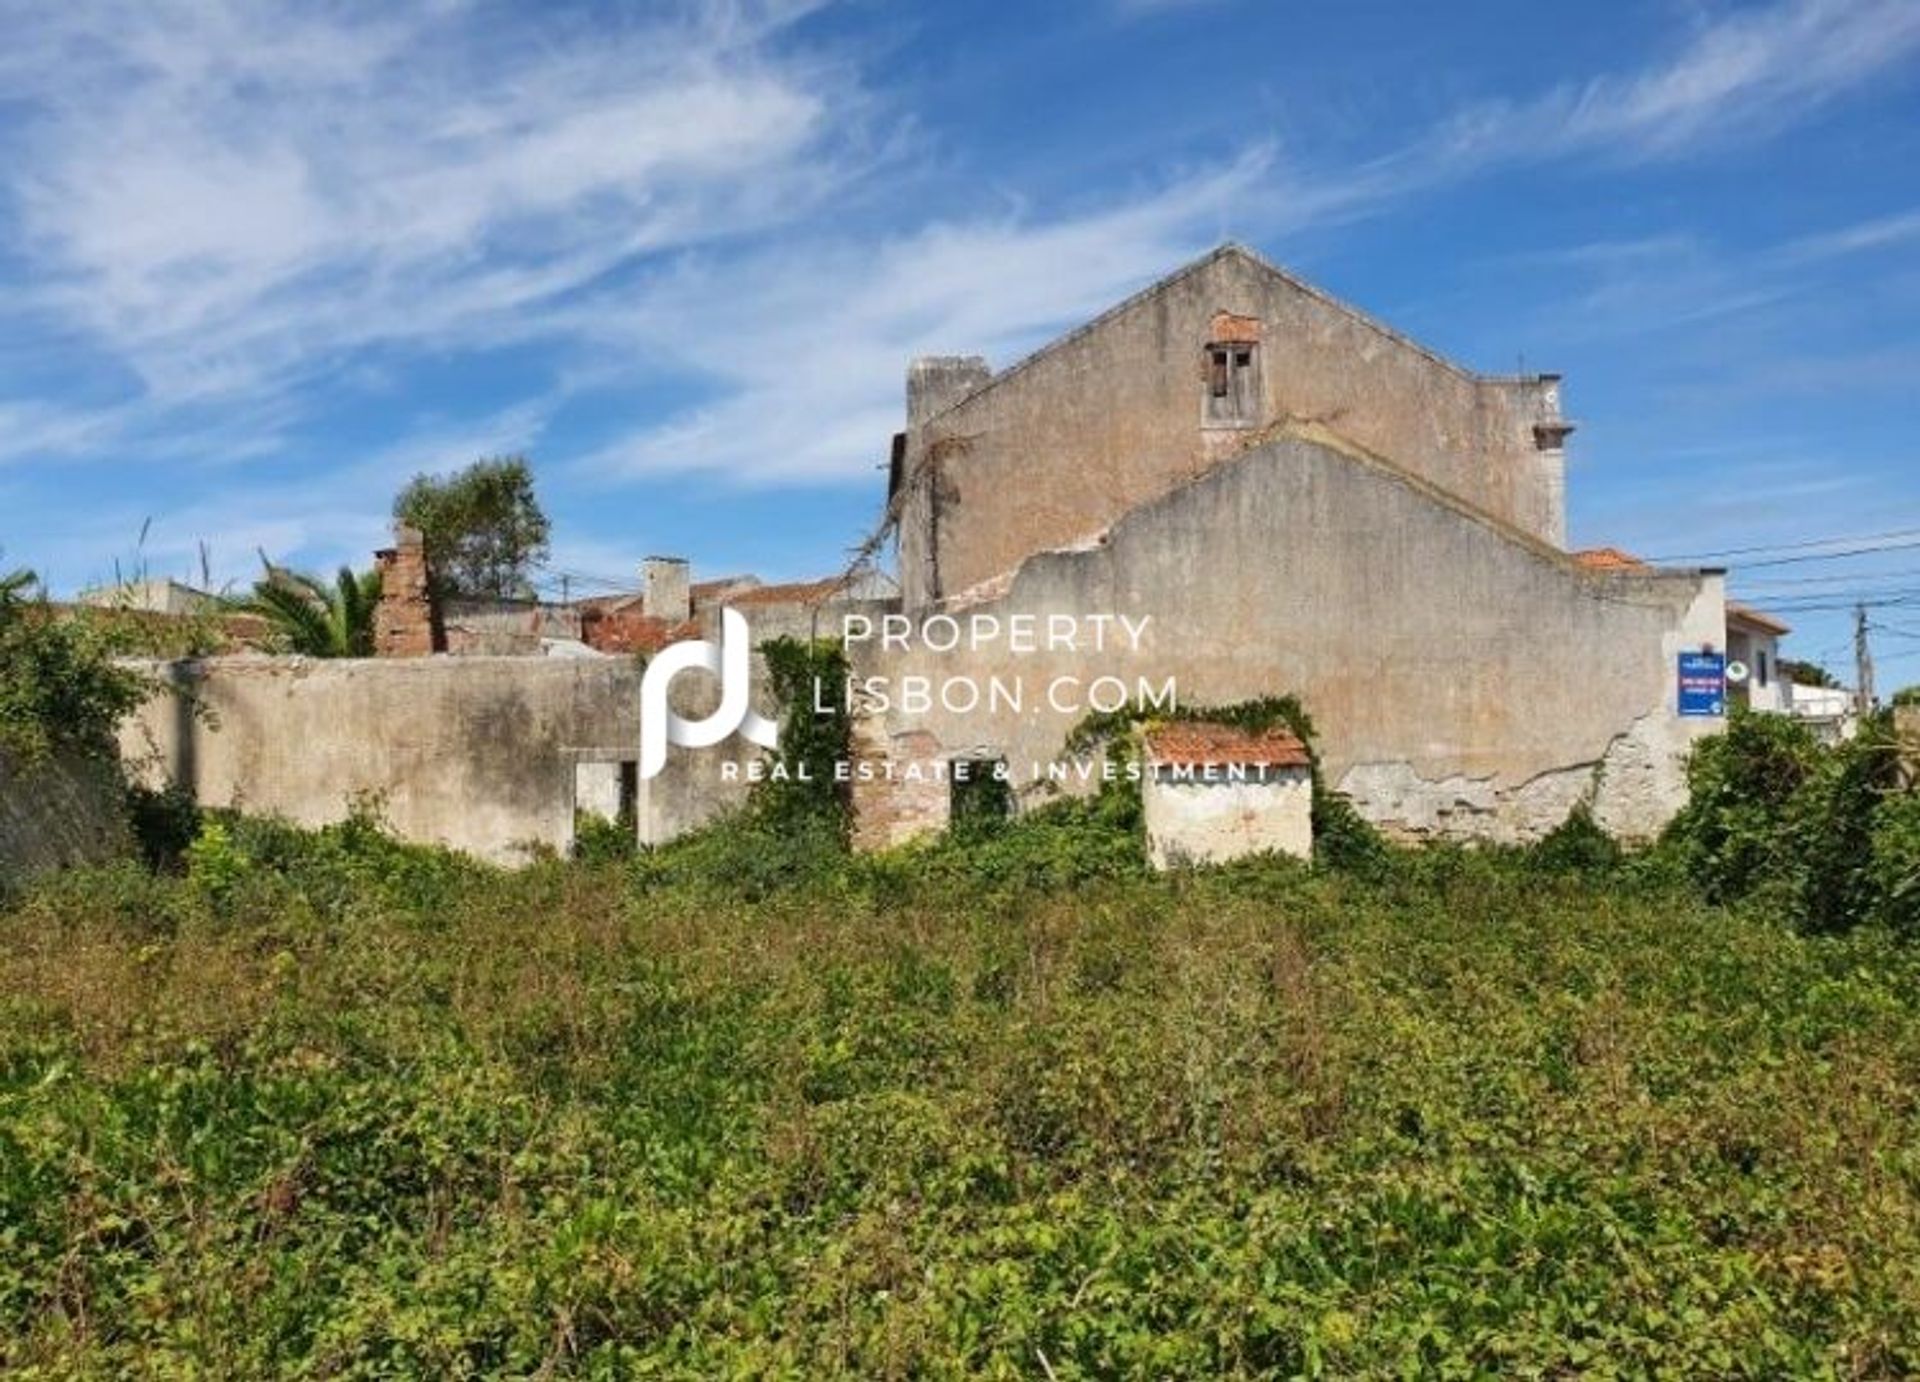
[{"x": 1862, "y": 662}]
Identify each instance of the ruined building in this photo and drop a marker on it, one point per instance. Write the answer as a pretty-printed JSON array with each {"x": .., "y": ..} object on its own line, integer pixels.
[
  {"x": 1301, "y": 500},
  {"x": 1283, "y": 495}
]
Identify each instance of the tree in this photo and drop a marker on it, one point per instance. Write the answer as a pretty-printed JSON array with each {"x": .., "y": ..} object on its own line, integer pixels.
[
  {"x": 312, "y": 619},
  {"x": 1808, "y": 674},
  {"x": 1907, "y": 695},
  {"x": 483, "y": 527}
]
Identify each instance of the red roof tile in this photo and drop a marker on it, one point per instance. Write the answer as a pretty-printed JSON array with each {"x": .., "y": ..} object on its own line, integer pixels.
[
  {"x": 1199, "y": 743},
  {"x": 632, "y": 633},
  {"x": 1609, "y": 559},
  {"x": 791, "y": 593}
]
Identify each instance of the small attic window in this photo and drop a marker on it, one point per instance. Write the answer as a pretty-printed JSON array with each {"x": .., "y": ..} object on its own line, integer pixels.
[{"x": 1233, "y": 384}]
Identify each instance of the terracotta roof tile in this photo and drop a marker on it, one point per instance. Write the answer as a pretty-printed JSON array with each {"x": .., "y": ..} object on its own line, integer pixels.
[
  {"x": 633, "y": 633},
  {"x": 1199, "y": 743},
  {"x": 791, "y": 593},
  {"x": 1609, "y": 559}
]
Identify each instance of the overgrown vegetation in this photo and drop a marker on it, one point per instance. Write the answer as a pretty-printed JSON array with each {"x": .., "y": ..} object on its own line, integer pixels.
[
  {"x": 809, "y": 678},
  {"x": 1000, "y": 1104},
  {"x": 59, "y": 687},
  {"x": 326, "y": 1104},
  {"x": 1825, "y": 837}
]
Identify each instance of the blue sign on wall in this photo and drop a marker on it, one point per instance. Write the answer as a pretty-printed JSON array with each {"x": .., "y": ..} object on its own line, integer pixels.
[{"x": 1703, "y": 684}]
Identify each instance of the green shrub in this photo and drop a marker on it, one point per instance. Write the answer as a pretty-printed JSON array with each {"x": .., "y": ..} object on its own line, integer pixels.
[
  {"x": 1733, "y": 836},
  {"x": 59, "y": 685},
  {"x": 600, "y": 840},
  {"x": 1779, "y": 821},
  {"x": 165, "y": 821},
  {"x": 1896, "y": 861},
  {"x": 1465, "y": 1119},
  {"x": 1577, "y": 845}
]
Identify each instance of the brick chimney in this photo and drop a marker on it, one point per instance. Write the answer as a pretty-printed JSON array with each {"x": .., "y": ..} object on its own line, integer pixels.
[
  {"x": 403, "y": 622},
  {"x": 667, "y": 589}
]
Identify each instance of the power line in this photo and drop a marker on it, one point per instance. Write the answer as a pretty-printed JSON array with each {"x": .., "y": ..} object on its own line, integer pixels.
[
  {"x": 1831, "y": 606},
  {"x": 1824, "y": 556},
  {"x": 1835, "y": 578},
  {"x": 1898, "y": 533}
]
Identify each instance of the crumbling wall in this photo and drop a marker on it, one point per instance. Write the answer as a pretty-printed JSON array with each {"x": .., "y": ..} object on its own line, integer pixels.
[
  {"x": 403, "y": 620},
  {"x": 1193, "y": 820},
  {"x": 505, "y": 628},
  {"x": 477, "y": 753},
  {"x": 1465, "y": 680},
  {"x": 1061, "y": 445}
]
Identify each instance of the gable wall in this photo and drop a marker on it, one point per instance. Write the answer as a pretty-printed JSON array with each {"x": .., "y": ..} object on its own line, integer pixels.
[
  {"x": 1464, "y": 683},
  {"x": 1060, "y": 448}
]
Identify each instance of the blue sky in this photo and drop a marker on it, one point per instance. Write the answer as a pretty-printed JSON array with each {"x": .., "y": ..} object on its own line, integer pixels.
[{"x": 261, "y": 260}]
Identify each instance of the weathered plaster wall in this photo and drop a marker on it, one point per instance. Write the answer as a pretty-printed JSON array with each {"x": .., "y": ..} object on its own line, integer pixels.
[
  {"x": 1196, "y": 821},
  {"x": 478, "y": 753},
  {"x": 60, "y": 810},
  {"x": 1061, "y": 445},
  {"x": 1465, "y": 680}
]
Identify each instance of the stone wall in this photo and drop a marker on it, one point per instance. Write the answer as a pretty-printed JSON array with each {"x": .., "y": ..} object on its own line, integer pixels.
[
  {"x": 477, "y": 753},
  {"x": 1058, "y": 447},
  {"x": 1466, "y": 680},
  {"x": 58, "y": 811}
]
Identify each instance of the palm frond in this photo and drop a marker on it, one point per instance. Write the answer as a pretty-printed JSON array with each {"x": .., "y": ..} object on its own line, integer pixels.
[{"x": 314, "y": 619}]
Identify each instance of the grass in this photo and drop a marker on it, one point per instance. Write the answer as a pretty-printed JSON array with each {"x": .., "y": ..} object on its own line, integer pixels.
[{"x": 335, "y": 1108}]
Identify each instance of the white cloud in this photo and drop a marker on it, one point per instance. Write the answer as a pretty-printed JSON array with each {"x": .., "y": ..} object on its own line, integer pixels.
[
  {"x": 1748, "y": 72},
  {"x": 238, "y": 198},
  {"x": 1862, "y": 237},
  {"x": 813, "y": 390},
  {"x": 222, "y": 192}
]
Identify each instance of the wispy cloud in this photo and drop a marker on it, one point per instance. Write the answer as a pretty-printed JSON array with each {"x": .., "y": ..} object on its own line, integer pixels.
[
  {"x": 1134, "y": 8},
  {"x": 1862, "y": 237},
  {"x": 238, "y": 205},
  {"x": 1744, "y": 74},
  {"x": 339, "y": 512},
  {"x": 221, "y": 192},
  {"x": 816, "y": 390}
]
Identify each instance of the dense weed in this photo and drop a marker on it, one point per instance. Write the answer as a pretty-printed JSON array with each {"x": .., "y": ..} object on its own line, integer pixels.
[
  {"x": 1824, "y": 837},
  {"x": 1002, "y": 1105}
]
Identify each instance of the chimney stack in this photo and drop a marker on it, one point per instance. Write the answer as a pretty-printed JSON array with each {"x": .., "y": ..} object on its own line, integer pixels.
[
  {"x": 403, "y": 620},
  {"x": 937, "y": 382},
  {"x": 667, "y": 591}
]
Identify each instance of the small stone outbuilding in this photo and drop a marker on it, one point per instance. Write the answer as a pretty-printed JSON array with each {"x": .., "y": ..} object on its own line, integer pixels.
[{"x": 1213, "y": 792}]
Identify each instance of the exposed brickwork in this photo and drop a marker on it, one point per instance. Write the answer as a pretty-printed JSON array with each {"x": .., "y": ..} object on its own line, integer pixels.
[
  {"x": 629, "y": 631},
  {"x": 1231, "y": 329},
  {"x": 915, "y": 800},
  {"x": 1205, "y": 743},
  {"x": 403, "y": 624}
]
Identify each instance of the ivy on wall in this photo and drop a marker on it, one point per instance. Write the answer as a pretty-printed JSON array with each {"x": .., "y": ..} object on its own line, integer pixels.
[{"x": 809, "y": 680}]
